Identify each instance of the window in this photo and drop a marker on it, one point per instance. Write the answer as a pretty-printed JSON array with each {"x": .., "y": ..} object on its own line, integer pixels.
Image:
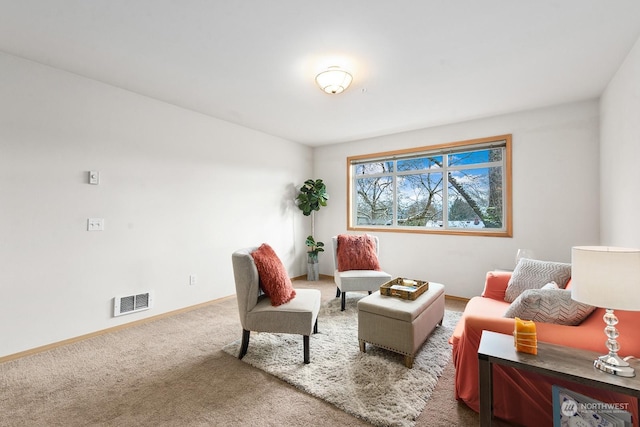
[{"x": 456, "y": 188}]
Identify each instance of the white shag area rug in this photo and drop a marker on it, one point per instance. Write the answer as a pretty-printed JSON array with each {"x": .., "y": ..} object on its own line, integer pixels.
[{"x": 374, "y": 386}]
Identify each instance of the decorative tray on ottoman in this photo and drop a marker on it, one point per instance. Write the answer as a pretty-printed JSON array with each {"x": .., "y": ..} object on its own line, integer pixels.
[{"x": 404, "y": 288}]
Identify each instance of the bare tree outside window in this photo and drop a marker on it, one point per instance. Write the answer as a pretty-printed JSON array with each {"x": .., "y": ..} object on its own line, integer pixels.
[{"x": 406, "y": 190}]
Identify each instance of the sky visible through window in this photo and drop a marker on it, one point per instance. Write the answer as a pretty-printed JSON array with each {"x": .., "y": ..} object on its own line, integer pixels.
[{"x": 461, "y": 189}]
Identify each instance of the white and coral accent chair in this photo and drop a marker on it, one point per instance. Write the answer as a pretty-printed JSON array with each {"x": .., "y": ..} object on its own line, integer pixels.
[
  {"x": 356, "y": 265},
  {"x": 299, "y": 315}
]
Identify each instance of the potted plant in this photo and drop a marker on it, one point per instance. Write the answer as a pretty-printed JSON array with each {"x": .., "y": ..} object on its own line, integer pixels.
[
  {"x": 312, "y": 196},
  {"x": 314, "y": 247},
  {"x": 313, "y": 271}
]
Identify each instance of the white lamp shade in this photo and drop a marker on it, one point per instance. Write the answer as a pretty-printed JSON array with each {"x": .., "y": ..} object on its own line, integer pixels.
[
  {"x": 606, "y": 277},
  {"x": 334, "y": 80}
]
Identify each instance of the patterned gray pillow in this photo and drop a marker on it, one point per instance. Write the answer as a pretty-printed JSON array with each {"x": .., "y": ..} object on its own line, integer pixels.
[
  {"x": 534, "y": 274},
  {"x": 549, "y": 306}
]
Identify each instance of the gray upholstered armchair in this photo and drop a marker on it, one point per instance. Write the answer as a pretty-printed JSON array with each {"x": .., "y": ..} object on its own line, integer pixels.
[{"x": 298, "y": 316}]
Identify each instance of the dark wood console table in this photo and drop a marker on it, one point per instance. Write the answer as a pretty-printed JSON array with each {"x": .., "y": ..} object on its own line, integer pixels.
[{"x": 552, "y": 360}]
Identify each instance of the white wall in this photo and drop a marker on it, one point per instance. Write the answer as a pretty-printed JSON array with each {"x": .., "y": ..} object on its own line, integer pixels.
[
  {"x": 179, "y": 192},
  {"x": 166, "y": 173},
  {"x": 620, "y": 152},
  {"x": 555, "y": 196}
]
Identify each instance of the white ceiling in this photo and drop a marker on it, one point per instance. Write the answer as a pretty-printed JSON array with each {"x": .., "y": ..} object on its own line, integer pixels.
[{"x": 416, "y": 63}]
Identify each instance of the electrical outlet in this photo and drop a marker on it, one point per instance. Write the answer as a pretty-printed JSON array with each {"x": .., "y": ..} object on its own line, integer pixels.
[
  {"x": 95, "y": 224},
  {"x": 193, "y": 279}
]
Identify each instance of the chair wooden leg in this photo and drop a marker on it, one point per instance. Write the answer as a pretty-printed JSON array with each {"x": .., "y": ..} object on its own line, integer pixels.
[
  {"x": 315, "y": 327},
  {"x": 337, "y": 292},
  {"x": 306, "y": 348},
  {"x": 245, "y": 343},
  {"x": 343, "y": 302}
]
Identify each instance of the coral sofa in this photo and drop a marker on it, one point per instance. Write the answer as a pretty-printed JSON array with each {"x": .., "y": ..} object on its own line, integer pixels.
[{"x": 523, "y": 398}]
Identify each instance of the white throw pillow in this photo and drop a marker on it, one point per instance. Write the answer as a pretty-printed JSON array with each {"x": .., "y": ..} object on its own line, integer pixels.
[
  {"x": 549, "y": 306},
  {"x": 534, "y": 274}
]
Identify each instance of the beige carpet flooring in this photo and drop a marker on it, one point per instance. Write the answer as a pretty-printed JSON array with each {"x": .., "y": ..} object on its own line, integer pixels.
[{"x": 172, "y": 372}]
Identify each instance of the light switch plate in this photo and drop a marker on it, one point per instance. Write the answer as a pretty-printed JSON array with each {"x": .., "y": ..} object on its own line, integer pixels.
[
  {"x": 95, "y": 224},
  {"x": 94, "y": 177}
]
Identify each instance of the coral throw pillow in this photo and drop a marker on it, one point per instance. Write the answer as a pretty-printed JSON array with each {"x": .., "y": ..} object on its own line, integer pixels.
[
  {"x": 274, "y": 280},
  {"x": 357, "y": 253}
]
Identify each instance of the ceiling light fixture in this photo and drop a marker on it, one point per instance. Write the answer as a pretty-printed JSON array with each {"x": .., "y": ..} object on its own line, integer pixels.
[{"x": 334, "y": 80}]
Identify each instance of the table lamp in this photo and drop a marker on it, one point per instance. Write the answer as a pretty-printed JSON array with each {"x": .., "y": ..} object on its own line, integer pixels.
[{"x": 607, "y": 277}]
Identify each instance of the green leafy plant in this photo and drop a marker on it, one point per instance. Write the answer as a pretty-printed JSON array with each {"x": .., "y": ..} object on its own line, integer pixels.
[
  {"x": 313, "y": 195},
  {"x": 314, "y": 248}
]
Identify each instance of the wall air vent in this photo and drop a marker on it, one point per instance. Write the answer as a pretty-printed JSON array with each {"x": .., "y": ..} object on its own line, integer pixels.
[{"x": 132, "y": 303}]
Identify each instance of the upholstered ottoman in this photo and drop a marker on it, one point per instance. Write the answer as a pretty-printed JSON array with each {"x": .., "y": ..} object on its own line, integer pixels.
[{"x": 400, "y": 325}]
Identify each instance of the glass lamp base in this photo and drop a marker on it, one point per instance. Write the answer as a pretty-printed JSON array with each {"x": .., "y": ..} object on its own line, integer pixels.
[{"x": 614, "y": 365}]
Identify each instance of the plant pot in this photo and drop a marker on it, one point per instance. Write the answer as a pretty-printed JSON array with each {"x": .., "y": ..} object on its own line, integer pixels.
[{"x": 313, "y": 268}]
